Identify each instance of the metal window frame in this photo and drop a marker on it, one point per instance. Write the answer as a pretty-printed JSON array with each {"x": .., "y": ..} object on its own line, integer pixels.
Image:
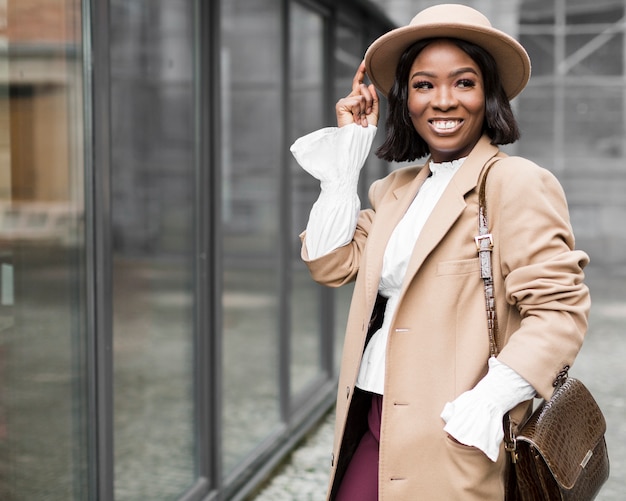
[
  {"x": 98, "y": 247},
  {"x": 208, "y": 339}
]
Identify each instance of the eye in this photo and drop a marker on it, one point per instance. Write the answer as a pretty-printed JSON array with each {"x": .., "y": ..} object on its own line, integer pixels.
[
  {"x": 421, "y": 84},
  {"x": 465, "y": 83}
]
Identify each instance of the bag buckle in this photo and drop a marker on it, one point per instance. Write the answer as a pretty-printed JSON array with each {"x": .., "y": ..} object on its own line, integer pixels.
[
  {"x": 510, "y": 443},
  {"x": 511, "y": 448},
  {"x": 479, "y": 242}
]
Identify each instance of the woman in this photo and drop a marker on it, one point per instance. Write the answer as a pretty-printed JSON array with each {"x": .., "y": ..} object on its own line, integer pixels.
[{"x": 420, "y": 403}]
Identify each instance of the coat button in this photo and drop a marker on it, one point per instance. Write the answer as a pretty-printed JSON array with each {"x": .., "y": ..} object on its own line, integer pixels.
[
  {"x": 332, "y": 459},
  {"x": 347, "y": 392}
]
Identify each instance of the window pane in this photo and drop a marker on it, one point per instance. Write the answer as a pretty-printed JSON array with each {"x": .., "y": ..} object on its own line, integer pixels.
[
  {"x": 594, "y": 55},
  {"x": 42, "y": 278},
  {"x": 593, "y": 123},
  {"x": 307, "y": 114},
  {"x": 250, "y": 172},
  {"x": 153, "y": 173},
  {"x": 540, "y": 48},
  {"x": 536, "y": 114}
]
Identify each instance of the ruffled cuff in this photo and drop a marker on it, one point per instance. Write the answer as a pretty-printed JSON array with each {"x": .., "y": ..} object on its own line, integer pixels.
[
  {"x": 475, "y": 423},
  {"x": 475, "y": 417},
  {"x": 331, "y": 224},
  {"x": 335, "y": 156}
]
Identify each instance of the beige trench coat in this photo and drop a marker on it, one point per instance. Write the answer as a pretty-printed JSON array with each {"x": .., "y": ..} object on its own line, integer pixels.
[{"x": 438, "y": 344}]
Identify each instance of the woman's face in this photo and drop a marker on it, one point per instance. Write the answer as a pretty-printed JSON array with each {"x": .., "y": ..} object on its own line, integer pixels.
[{"x": 446, "y": 100}]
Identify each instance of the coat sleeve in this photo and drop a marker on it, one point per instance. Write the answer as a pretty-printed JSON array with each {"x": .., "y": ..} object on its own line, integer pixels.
[{"x": 541, "y": 270}]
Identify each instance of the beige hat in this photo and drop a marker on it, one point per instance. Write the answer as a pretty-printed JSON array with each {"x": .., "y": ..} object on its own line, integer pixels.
[{"x": 449, "y": 21}]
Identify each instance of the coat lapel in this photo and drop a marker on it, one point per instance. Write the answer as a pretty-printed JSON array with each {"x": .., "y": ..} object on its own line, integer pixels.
[
  {"x": 390, "y": 212},
  {"x": 450, "y": 206}
]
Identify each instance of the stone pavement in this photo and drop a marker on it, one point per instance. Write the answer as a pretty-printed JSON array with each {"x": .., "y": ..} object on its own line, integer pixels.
[{"x": 601, "y": 365}]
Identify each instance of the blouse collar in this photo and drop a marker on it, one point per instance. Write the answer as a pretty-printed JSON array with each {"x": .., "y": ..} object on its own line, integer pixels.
[{"x": 450, "y": 167}]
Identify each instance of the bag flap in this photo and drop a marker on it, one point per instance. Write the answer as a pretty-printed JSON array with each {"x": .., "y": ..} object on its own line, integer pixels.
[{"x": 565, "y": 430}]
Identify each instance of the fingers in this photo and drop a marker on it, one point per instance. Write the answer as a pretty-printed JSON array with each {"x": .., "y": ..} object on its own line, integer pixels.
[
  {"x": 375, "y": 104},
  {"x": 359, "y": 77},
  {"x": 361, "y": 105},
  {"x": 360, "y": 89},
  {"x": 351, "y": 109}
]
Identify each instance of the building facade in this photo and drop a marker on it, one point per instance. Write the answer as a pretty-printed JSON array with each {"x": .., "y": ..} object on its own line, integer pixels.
[{"x": 159, "y": 336}]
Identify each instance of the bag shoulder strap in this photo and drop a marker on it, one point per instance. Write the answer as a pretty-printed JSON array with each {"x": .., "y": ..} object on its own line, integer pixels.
[{"x": 484, "y": 246}]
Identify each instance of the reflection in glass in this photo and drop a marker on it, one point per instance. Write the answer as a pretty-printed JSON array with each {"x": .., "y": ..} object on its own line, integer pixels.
[
  {"x": 153, "y": 172},
  {"x": 307, "y": 77},
  {"x": 42, "y": 324},
  {"x": 250, "y": 174}
]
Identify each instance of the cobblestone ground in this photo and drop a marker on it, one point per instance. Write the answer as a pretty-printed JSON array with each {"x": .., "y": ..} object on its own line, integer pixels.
[{"x": 600, "y": 365}]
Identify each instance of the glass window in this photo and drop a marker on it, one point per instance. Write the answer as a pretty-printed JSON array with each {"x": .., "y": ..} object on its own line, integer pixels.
[
  {"x": 251, "y": 91},
  {"x": 594, "y": 123},
  {"x": 540, "y": 48},
  {"x": 43, "y": 405},
  {"x": 536, "y": 118},
  {"x": 153, "y": 168},
  {"x": 575, "y": 100},
  {"x": 594, "y": 54},
  {"x": 307, "y": 76}
]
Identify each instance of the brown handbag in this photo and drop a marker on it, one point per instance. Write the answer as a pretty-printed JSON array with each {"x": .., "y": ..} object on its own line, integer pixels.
[{"x": 559, "y": 452}]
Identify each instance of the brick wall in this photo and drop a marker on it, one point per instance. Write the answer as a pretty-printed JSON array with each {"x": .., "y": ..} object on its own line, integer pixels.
[{"x": 40, "y": 20}]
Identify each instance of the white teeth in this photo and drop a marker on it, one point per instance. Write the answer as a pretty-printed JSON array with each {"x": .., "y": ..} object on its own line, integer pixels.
[{"x": 445, "y": 124}]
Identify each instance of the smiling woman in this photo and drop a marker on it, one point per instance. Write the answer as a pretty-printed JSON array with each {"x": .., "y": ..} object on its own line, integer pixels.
[{"x": 416, "y": 348}]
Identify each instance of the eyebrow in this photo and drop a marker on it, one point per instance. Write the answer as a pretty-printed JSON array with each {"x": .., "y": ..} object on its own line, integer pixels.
[{"x": 453, "y": 73}]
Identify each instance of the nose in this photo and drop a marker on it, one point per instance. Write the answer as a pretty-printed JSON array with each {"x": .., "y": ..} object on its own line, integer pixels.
[{"x": 444, "y": 98}]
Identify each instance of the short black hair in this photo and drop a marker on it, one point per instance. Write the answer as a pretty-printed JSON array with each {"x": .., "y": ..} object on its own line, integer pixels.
[{"x": 403, "y": 143}]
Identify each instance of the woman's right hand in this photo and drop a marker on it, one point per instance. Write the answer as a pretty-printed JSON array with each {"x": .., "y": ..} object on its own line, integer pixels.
[{"x": 361, "y": 105}]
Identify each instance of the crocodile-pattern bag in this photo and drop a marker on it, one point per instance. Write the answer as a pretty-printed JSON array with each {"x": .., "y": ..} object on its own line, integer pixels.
[{"x": 560, "y": 452}]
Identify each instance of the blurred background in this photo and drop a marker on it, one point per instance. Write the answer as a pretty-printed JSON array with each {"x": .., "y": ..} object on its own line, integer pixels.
[{"x": 160, "y": 338}]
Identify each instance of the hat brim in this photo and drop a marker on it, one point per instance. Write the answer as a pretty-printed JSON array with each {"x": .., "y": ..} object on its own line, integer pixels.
[{"x": 382, "y": 57}]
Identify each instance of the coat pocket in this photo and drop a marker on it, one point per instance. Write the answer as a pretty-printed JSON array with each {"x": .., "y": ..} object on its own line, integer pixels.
[
  {"x": 474, "y": 475},
  {"x": 458, "y": 267}
]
